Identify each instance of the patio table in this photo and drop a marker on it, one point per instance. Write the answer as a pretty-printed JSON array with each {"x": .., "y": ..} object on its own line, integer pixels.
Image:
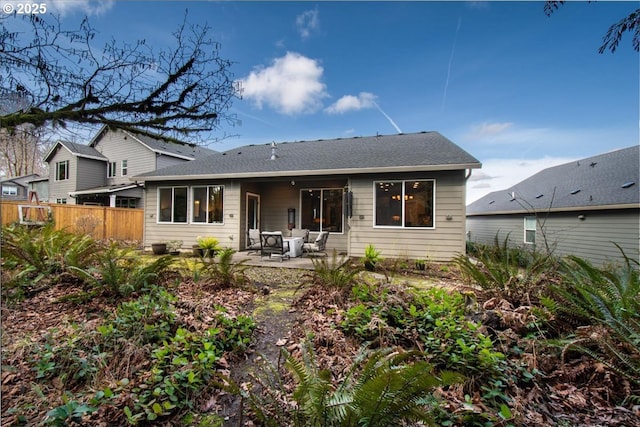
[{"x": 295, "y": 246}]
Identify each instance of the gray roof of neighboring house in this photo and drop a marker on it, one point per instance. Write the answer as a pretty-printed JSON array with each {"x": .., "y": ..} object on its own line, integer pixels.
[
  {"x": 79, "y": 150},
  {"x": 22, "y": 180},
  {"x": 607, "y": 180},
  {"x": 373, "y": 154},
  {"x": 175, "y": 149}
]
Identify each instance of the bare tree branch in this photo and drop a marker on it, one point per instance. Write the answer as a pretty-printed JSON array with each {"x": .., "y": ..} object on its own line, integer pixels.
[{"x": 178, "y": 91}]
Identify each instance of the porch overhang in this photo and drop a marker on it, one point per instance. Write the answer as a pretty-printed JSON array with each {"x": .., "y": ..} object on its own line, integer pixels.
[{"x": 103, "y": 190}]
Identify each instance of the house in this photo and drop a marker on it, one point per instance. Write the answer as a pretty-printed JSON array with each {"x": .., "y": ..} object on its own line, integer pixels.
[
  {"x": 40, "y": 187},
  {"x": 16, "y": 188},
  {"x": 579, "y": 208},
  {"x": 98, "y": 173},
  {"x": 403, "y": 193}
]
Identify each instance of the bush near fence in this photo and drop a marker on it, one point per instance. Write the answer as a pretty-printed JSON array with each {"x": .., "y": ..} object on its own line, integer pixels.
[{"x": 100, "y": 222}]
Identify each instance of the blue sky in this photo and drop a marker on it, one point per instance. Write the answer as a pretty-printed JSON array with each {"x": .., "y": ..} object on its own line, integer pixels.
[{"x": 518, "y": 90}]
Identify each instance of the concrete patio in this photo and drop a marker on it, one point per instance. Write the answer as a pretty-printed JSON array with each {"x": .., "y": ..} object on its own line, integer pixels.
[{"x": 254, "y": 259}]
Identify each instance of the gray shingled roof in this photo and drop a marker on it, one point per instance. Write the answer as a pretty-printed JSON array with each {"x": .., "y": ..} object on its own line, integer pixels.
[
  {"x": 79, "y": 150},
  {"x": 186, "y": 150},
  {"x": 403, "y": 152},
  {"x": 597, "y": 181}
]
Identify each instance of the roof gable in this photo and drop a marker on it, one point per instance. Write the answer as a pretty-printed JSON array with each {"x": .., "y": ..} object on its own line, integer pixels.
[
  {"x": 604, "y": 180},
  {"x": 77, "y": 150},
  {"x": 402, "y": 152}
]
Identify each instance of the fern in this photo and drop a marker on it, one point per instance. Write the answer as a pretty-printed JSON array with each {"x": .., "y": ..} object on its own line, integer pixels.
[
  {"x": 610, "y": 298},
  {"x": 382, "y": 388},
  {"x": 335, "y": 274}
]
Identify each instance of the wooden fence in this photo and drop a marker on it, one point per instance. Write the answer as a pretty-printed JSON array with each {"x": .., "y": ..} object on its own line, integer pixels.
[{"x": 99, "y": 221}]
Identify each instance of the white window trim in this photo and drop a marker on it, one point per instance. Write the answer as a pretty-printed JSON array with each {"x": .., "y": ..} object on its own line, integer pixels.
[
  {"x": 192, "y": 201},
  {"x": 402, "y": 226},
  {"x": 124, "y": 167},
  {"x": 56, "y": 174},
  {"x": 172, "y": 188},
  {"x": 534, "y": 229},
  {"x": 9, "y": 190}
]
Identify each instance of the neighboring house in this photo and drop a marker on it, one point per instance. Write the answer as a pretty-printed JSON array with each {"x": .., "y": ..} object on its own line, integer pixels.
[
  {"x": 98, "y": 173},
  {"x": 579, "y": 208},
  {"x": 41, "y": 187},
  {"x": 403, "y": 193},
  {"x": 16, "y": 188}
]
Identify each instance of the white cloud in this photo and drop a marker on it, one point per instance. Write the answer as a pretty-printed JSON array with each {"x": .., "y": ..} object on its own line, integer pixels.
[
  {"x": 89, "y": 7},
  {"x": 500, "y": 174},
  {"x": 291, "y": 85},
  {"x": 488, "y": 130},
  {"x": 352, "y": 103},
  {"x": 307, "y": 22}
]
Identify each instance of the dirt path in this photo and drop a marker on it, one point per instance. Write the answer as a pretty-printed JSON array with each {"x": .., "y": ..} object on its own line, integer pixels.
[{"x": 274, "y": 318}]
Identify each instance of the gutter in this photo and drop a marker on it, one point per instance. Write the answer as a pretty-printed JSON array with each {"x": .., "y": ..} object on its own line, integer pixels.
[{"x": 314, "y": 172}]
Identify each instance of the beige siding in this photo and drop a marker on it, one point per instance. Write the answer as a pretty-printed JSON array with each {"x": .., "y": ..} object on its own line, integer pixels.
[
  {"x": 441, "y": 243},
  {"x": 591, "y": 238},
  {"x": 227, "y": 233},
  {"x": 116, "y": 146}
]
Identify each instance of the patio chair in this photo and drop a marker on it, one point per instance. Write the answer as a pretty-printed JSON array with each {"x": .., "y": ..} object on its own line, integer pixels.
[
  {"x": 253, "y": 240},
  {"x": 301, "y": 232},
  {"x": 272, "y": 244},
  {"x": 318, "y": 246}
]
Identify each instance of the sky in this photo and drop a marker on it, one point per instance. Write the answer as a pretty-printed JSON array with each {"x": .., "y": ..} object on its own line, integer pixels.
[{"x": 518, "y": 90}]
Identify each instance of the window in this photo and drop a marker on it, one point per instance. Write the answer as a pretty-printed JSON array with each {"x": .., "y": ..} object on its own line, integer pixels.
[
  {"x": 9, "y": 190},
  {"x": 404, "y": 203},
  {"x": 208, "y": 204},
  {"x": 124, "y": 168},
  {"x": 530, "y": 229},
  {"x": 173, "y": 204},
  {"x": 125, "y": 203},
  {"x": 62, "y": 170},
  {"x": 321, "y": 209},
  {"x": 112, "y": 170},
  {"x": 61, "y": 201}
]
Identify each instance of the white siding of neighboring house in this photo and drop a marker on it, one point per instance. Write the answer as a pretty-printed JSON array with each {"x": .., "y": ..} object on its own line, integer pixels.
[
  {"x": 83, "y": 174},
  {"x": 566, "y": 234},
  {"x": 441, "y": 243},
  {"x": 61, "y": 189},
  {"x": 116, "y": 148},
  {"x": 227, "y": 233}
]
